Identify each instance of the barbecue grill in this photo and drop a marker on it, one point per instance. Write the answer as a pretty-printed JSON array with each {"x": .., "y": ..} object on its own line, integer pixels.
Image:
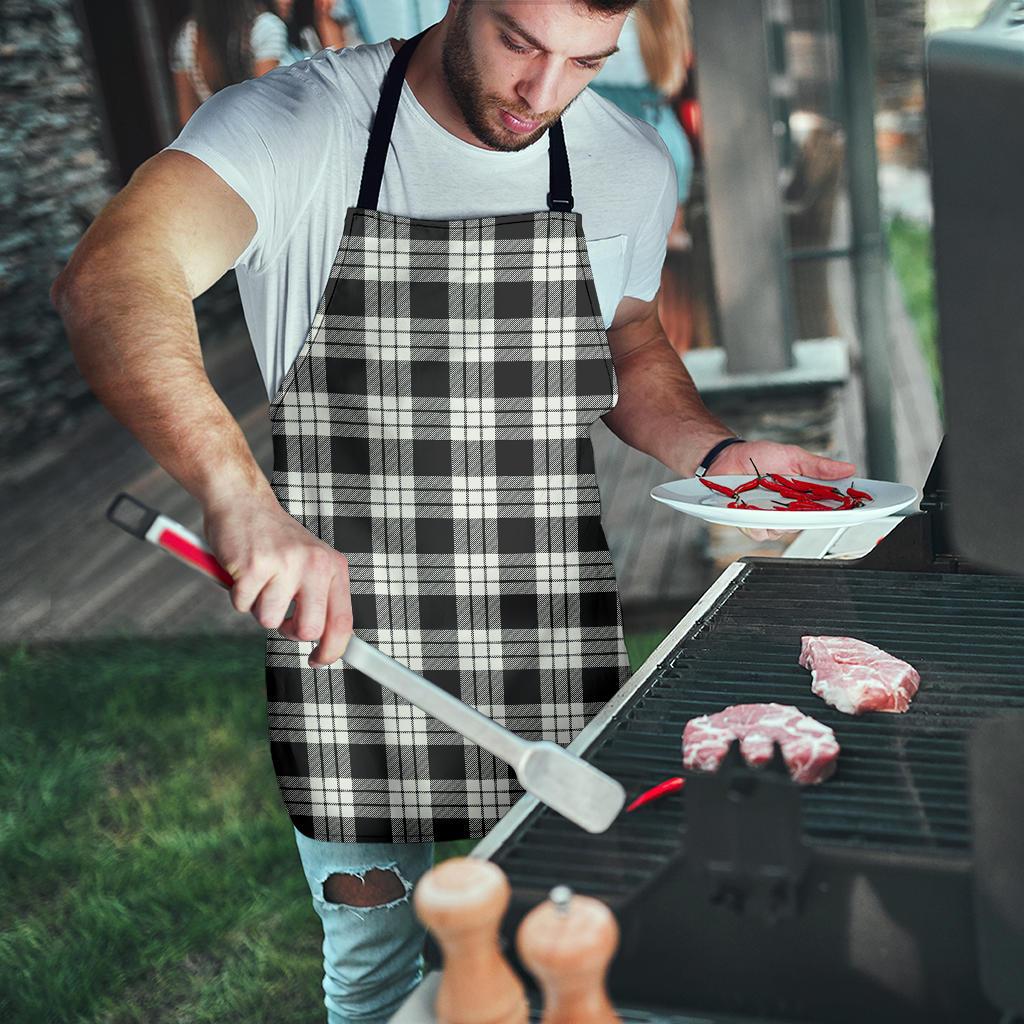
[{"x": 748, "y": 896}]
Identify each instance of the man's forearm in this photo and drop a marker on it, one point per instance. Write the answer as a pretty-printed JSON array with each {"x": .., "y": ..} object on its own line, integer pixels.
[
  {"x": 659, "y": 410},
  {"x": 133, "y": 333}
]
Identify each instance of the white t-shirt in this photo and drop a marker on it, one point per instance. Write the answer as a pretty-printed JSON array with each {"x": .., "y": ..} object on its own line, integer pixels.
[{"x": 292, "y": 144}]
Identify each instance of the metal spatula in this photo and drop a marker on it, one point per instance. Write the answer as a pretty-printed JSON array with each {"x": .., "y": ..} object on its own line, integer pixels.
[{"x": 564, "y": 782}]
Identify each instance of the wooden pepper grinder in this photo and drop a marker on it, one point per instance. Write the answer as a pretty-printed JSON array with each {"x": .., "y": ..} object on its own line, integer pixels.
[
  {"x": 567, "y": 943},
  {"x": 462, "y": 902}
]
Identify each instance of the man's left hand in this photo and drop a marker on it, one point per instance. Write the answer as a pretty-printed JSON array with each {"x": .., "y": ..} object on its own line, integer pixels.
[{"x": 771, "y": 457}]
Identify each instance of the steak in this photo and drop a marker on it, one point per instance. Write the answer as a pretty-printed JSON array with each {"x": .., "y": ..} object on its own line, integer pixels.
[
  {"x": 855, "y": 677},
  {"x": 808, "y": 747}
]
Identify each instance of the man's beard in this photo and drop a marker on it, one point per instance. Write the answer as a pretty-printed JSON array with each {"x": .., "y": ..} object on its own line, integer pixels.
[{"x": 465, "y": 84}]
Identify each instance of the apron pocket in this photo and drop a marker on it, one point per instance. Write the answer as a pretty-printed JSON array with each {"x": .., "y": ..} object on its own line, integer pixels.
[{"x": 608, "y": 266}]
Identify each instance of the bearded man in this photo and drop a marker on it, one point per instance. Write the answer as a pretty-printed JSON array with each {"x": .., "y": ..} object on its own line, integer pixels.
[{"x": 449, "y": 253}]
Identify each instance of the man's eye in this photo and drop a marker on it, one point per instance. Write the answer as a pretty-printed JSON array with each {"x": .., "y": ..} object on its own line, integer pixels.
[
  {"x": 512, "y": 46},
  {"x": 588, "y": 65}
]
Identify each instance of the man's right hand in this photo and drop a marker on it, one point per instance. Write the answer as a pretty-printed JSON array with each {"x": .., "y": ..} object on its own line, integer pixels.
[{"x": 274, "y": 561}]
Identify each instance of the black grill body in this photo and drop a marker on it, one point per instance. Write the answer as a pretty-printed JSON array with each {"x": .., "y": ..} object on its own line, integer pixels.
[{"x": 847, "y": 901}]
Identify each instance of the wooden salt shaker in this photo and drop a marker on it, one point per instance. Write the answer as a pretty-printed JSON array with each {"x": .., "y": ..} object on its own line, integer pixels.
[
  {"x": 567, "y": 942},
  {"x": 462, "y": 902}
]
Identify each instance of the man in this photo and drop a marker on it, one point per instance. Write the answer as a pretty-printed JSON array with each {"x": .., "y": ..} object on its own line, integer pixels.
[{"x": 433, "y": 379}]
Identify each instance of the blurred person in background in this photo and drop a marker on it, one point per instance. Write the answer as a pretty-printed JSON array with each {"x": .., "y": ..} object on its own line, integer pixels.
[
  {"x": 645, "y": 79},
  {"x": 221, "y": 43},
  {"x": 375, "y": 20},
  {"x": 314, "y": 25},
  {"x": 647, "y": 75}
]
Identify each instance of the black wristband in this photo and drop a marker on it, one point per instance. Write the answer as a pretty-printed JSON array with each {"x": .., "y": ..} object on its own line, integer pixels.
[{"x": 705, "y": 463}]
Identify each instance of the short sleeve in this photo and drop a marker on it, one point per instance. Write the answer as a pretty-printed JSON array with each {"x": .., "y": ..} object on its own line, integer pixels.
[
  {"x": 269, "y": 38},
  {"x": 269, "y": 140},
  {"x": 652, "y": 238}
]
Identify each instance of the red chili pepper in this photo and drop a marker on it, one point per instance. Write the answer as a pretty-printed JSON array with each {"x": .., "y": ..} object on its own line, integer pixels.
[
  {"x": 750, "y": 485},
  {"x": 807, "y": 506},
  {"x": 809, "y": 487},
  {"x": 660, "y": 790},
  {"x": 862, "y": 495},
  {"x": 786, "y": 492},
  {"x": 721, "y": 489}
]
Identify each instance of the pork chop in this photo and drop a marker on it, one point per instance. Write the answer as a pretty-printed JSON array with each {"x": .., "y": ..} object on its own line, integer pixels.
[
  {"x": 854, "y": 676},
  {"x": 808, "y": 747}
]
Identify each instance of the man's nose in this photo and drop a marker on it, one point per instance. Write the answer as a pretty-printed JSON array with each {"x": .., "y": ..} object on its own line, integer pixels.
[{"x": 539, "y": 89}]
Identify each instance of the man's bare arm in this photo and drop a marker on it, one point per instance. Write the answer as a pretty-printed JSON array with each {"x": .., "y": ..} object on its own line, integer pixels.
[
  {"x": 126, "y": 300},
  {"x": 659, "y": 410},
  {"x": 661, "y": 413}
]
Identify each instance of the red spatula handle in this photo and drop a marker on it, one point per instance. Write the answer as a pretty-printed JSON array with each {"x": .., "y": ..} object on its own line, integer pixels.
[{"x": 147, "y": 524}]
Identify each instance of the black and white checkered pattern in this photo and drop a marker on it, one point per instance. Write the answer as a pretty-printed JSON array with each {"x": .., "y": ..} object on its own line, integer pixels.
[{"x": 435, "y": 429}]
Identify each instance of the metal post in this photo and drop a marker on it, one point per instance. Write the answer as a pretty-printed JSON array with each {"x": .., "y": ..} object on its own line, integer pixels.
[
  {"x": 154, "y": 64},
  {"x": 867, "y": 241},
  {"x": 742, "y": 173}
]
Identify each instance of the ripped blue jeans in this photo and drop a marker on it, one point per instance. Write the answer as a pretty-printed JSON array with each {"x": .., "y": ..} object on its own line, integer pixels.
[{"x": 373, "y": 956}]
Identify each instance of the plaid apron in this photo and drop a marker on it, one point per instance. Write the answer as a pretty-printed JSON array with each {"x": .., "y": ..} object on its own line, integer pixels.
[{"x": 434, "y": 428}]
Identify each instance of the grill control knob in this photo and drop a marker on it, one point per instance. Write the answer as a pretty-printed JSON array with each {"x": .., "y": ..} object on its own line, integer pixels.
[
  {"x": 462, "y": 902},
  {"x": 567, "y": 942}
]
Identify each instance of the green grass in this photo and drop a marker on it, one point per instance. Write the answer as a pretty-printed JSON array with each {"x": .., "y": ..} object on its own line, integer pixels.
[
  {"x": 149, "y": 873},
  {"x": 910, "y": 247}
]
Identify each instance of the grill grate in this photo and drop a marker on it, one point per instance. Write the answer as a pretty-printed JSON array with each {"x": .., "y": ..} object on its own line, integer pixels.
[{"x": 901, "y": 785}]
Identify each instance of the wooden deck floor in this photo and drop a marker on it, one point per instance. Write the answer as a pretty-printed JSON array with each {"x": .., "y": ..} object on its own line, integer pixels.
[{"x": 68, "y": 573}]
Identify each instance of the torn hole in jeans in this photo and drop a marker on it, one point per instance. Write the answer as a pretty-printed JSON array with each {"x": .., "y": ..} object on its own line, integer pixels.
[{"x": 375, "y": 888}]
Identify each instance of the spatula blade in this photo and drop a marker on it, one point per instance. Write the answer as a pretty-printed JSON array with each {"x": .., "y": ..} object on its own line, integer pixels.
[{"x": 571, "y": 786}]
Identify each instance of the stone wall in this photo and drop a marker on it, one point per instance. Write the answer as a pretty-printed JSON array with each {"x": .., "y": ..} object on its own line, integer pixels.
[{"x": 53, "y": 180}]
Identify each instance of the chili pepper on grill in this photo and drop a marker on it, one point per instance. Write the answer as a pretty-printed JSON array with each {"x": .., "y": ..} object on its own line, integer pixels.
[{"x": 655, "y": 792}]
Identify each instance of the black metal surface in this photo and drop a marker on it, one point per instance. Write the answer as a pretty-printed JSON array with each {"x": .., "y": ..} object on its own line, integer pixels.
[
  {"x": 885, "y": 920},
  {"x": 977, "y": 156},
  {"x": 647, "y": 1015},
  {"x": 744, "y": 838},
  {"x": 996, "y": 758}
]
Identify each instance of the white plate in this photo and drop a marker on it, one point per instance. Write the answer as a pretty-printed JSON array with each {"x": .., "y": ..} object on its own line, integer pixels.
[{"x": 693, "y": 498}]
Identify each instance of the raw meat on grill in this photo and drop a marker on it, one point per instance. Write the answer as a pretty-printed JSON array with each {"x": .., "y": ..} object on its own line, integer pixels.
[
  {"x": 808, "y": 747},
  {"x": 855, "y": 677}
]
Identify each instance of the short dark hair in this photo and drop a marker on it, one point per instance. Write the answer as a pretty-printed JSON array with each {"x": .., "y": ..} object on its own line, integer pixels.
[{"x": 608, "y": 7}]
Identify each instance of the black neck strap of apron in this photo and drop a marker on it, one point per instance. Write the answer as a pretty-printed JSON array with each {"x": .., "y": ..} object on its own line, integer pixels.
[
  {"x": 560, "y": 196},
  {"x": 560, "y": 185}
]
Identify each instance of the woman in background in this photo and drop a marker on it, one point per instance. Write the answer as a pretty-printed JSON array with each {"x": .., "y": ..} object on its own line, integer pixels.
[
  {"x": 314, "y": 25},
  {"x": 648, "y": 73},
  {"x": 221, "y": 43},
  {"x": 644, "y": 78}
]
